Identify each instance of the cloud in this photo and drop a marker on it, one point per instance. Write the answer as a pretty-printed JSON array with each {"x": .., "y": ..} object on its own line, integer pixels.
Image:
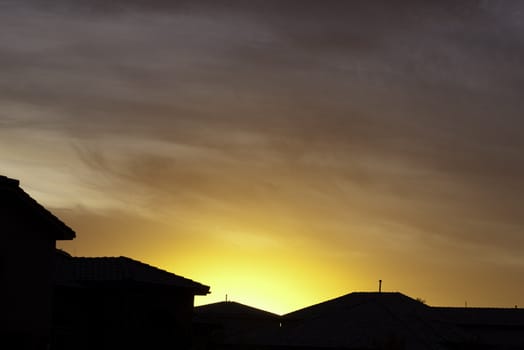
[{"x": 326, "y": 118}]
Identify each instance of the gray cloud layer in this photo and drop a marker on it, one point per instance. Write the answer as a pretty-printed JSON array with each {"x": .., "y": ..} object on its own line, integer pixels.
[{"x": 405, "y": 115}]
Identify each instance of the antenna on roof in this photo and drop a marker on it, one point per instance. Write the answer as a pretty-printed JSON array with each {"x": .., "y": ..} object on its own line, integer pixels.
[
  {"x": 226, "y": 298},
  {"x": 380, "y": 286}
]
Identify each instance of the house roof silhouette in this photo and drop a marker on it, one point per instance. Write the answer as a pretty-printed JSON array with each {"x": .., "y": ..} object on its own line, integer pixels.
[
  {"x": 232, "y": 323},
  {"x": 495, "y": 328},
  {"x": 18, "y": 203},
  {"x": 118, "y": 270},
  {"x": 233, "y": 309},
  {"x": 361, "y": 321},
  {"x": 390, "y": 320},
  {"x": 486, "y": 316},
  {"x": 351, "y": 301}
]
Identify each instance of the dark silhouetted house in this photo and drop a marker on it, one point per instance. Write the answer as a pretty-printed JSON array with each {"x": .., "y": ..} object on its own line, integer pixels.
[
  {"x": 52, "y": 300},
  {"x": 387, "y": 321},
  {"x": 356, "y": 321},
  {"x": 487, "y": 328},
  {"x": 121, "y": 303},
  {"x": 28, "y": 237},
  {"x": 225, "y": 324}
]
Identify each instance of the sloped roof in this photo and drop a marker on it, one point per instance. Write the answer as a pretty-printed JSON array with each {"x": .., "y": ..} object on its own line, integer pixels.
[
  {"x": 352, "y": 300},
  {"x": 87, "y": 270},
  {"x": 360, "y": 321},
  {"x": 494, "y": 328},
  {"x": 234, "y": 323},
  {"x": 12, "y": 194},
  {"x": 378, "y": 320},
  {"x": 232, "y": 309},
  {"x": 485, "y": 316}
]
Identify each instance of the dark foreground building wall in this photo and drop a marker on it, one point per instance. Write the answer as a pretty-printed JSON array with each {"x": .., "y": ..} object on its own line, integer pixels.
[
  {"x": 118, "y": 302},
  {"x": 28, "y": 234}
]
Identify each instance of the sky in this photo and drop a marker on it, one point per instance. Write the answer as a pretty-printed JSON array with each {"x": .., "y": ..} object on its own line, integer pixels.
[{"x": 281, "y": 152}]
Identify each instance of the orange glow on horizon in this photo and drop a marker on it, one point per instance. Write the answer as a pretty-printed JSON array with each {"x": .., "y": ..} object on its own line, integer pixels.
[
  {"x": 271, "y": 283},
  {"x": 264, "y": 274},
  {"x": 270, "y": 271}
]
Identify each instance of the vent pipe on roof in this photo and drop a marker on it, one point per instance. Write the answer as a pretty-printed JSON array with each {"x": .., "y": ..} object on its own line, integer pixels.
[
  {"x": 380, "y": 286},
  {"x": 6, "y": 181}
]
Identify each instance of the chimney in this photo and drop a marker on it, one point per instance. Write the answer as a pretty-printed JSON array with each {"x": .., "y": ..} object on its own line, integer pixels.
[
  {"x": 8, "y": 182},
  {"x": 380, "y": 286}
]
